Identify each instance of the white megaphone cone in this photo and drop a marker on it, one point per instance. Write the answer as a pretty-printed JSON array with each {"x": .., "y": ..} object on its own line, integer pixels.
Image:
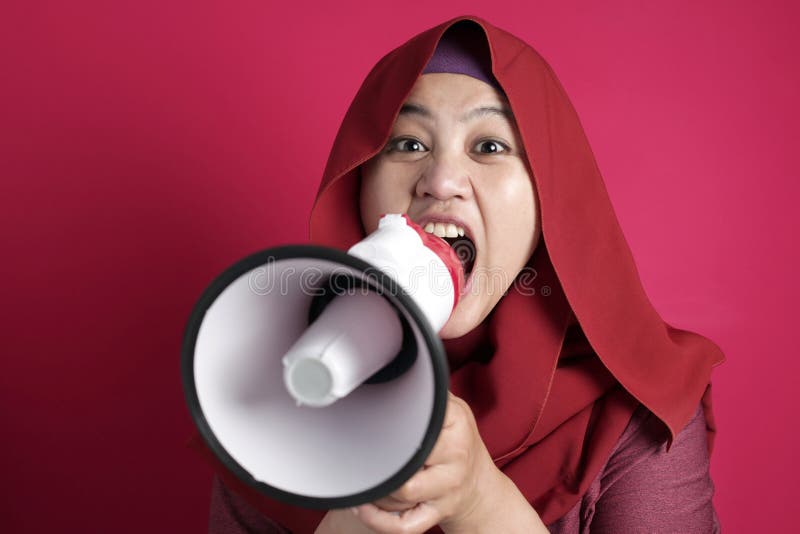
[{"x": 318, "y": 377}]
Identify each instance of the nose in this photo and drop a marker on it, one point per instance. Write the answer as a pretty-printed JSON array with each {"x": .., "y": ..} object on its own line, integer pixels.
[{"x": 444, "y": 178}]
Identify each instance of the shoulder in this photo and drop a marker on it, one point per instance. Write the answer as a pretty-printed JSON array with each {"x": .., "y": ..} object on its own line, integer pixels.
[
  {"x": 646, "y": 437},
  {"x": 645, "y": 487}
]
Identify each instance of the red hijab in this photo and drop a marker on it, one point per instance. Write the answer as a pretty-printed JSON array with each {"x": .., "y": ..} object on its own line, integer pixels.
[{"x": 552, "y": 377}]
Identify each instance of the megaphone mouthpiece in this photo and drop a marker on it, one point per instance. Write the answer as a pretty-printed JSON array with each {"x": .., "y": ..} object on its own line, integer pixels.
[{"x": 355, "y": 337}]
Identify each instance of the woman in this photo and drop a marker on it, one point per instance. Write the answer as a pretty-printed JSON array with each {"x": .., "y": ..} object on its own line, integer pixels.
[{"x": 573, "y": 406}]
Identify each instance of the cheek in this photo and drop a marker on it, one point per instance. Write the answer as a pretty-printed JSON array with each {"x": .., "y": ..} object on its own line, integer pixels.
[
  {"x": 369, "y": 206},
  {"x": 380, "y": 193},
  {"x": 511, "y": 203},
  {"x": 510, "y": 210},
  {"x": 371, "y": 198}
]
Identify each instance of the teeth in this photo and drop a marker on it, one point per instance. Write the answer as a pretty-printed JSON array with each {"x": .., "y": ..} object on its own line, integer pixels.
[{"x": 444, "y": 229}]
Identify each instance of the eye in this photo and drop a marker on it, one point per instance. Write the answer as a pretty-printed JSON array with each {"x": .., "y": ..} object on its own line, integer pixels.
[
  {"x": 406, "y": 144},
  {"x": 490, "y": 146}
]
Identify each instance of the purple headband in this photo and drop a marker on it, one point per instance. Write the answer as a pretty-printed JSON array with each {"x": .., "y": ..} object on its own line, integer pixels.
[{"x": 463, "y": 50}]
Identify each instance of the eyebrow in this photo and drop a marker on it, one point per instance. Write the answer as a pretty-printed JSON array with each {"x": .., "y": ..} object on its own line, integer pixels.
[{"x": 483, "y": 111}]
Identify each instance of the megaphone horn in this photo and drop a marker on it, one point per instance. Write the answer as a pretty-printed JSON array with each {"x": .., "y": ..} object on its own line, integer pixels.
[{"x": 317, "y": 376}]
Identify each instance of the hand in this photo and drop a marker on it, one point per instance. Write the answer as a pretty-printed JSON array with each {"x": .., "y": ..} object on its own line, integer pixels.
[
  {"x": 451, "y": 490},
  {"x": 342, "y": 522}
]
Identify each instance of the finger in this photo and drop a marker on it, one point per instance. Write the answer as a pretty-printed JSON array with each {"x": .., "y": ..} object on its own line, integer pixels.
[
  {"x": 440, "y": 453},
  {"x": 450, "y": 411},
  {"x": 392, "y": 504},
  {"x": 451, "y": 432},
  {"x": 416, "y": 520},
  {"x": 426, "y": 485}
]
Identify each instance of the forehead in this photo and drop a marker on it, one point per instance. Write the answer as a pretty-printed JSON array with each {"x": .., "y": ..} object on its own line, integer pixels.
[{"x": 454, "y": 91}]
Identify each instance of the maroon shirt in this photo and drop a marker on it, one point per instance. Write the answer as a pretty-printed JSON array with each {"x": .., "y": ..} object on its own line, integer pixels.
[{"x": 642, "y": 488}]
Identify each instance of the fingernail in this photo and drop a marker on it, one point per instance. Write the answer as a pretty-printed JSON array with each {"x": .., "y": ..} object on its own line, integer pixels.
[{"x": 354, "y": 510}]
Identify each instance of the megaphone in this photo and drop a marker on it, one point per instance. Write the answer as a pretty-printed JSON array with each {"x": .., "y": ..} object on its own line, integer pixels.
[{"x": 317, "y": 376}]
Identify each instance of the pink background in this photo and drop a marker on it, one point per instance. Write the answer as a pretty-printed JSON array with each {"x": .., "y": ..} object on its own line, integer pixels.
[{"x": 144, "y": 148}]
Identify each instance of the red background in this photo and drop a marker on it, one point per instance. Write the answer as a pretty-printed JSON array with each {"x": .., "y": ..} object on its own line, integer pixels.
[{"x": 145, "y": 146}]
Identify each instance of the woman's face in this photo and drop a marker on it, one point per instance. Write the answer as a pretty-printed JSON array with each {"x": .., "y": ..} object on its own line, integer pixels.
[{"x": 454, "y": 161}]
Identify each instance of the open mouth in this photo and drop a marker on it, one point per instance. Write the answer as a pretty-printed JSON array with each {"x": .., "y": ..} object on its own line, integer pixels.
[
  {"x": 465, "y": 250},
  {"x": 458, "y": 240}
]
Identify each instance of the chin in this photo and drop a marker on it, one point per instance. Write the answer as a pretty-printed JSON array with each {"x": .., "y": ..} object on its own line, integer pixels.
[
  {"x": 451, "y": 331},
  {"x": 461, "y": 322}
]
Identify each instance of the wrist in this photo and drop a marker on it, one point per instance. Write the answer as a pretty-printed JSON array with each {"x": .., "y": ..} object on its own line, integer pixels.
[
  {"x": 491, "y": 491},
  {"x": 501, "y": 508}
]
